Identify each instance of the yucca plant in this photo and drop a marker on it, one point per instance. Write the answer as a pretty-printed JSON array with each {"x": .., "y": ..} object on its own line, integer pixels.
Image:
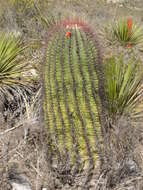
[
  {"x": 73, "y": 88},
  {"x": 127, "y": 33},
  {"x": 11, "y": 65},
  {"x": 125, "y": 108},
  {"x": 13, "y": 68},
  {"x": 124, "y": 87}
]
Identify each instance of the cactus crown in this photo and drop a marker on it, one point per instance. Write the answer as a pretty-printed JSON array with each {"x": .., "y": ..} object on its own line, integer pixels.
[{"x": 72, "y": 80}]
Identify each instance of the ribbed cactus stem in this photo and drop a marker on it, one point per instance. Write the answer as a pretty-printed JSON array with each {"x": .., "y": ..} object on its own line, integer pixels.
[{"x": 72, "y": 105}]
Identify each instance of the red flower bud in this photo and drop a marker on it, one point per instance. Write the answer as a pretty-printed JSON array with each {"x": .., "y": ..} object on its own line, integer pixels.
[{"x": 68, "y": 34}]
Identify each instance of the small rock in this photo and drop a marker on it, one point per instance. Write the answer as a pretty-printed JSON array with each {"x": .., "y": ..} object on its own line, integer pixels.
[
  {"x": 17, "y": 186},
  {"x": 115, "y": 1}
]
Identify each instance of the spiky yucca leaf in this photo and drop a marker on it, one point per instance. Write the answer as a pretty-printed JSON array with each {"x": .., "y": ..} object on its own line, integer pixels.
[
  {"x": 72, "y": 79},
  {"x": 124, "y": 87}
]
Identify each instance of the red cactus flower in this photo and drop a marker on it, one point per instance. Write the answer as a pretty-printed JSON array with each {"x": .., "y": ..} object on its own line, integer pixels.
[{"x": 68, "y": 34}]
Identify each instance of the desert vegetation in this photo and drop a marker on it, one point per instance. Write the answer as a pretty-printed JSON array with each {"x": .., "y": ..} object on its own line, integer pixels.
[{"x": 71, "y": 95}]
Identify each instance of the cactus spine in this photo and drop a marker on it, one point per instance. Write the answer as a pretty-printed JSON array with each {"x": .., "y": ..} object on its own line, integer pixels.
[{"x": 72, "y": 105}]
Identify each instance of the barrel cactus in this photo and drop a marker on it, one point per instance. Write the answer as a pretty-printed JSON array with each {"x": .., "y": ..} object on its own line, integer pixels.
[{"x": 73, "y": 90}]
